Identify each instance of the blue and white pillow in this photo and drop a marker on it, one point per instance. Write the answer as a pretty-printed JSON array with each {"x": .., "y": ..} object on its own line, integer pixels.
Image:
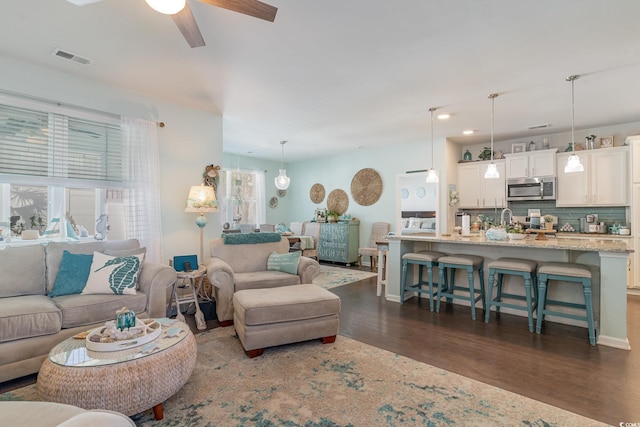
[{"x": 116, "y": 275}]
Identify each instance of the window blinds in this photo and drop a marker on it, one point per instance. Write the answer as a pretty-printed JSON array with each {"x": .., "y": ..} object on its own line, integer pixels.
[{"x": 42, "y": 144}]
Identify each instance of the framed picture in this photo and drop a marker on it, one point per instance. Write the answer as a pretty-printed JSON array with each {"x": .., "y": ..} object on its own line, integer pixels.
[
  {"x": 519, "y": 147},
  {"x": 606, "y": 141},
  {"x": 321, "y": 215}
]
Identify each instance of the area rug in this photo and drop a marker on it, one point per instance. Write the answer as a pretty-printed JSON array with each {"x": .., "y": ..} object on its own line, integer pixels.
[
  {"x": 331, "y": 277},
  {"x": 346, "y": 383}
]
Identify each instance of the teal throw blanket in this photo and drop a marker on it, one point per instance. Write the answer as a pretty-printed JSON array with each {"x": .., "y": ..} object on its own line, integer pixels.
[{"x": 250, "y": 238}]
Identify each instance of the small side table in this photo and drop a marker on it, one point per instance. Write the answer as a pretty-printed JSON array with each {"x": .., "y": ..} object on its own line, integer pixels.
[
  {"x": 383, "y": 251},
  {"x": 196, "y": 277}
]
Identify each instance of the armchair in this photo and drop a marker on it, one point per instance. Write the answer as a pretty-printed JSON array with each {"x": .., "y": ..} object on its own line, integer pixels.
[{"x": 234, "y": 267}]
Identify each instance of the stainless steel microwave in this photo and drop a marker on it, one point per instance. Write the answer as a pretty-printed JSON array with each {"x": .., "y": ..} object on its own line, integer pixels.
[{"x": 542, "y": 188}]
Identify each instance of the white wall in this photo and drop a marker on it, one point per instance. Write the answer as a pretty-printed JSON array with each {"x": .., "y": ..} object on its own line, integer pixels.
[{"x": 190, "y": 140}]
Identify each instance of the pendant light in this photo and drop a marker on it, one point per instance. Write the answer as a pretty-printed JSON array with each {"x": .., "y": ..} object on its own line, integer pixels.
[
  {"x": 573, "y": 162},
  {"x": 492, "y": 170},
  {"x": 282, "y": 180},
  {"x": 168, "y": 7},
  {"x": 432, "y": 176}
]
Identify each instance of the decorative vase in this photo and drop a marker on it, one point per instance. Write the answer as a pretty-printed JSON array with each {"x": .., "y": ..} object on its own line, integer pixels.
[
  {"x": 467, "y": 156},
  {"x": 548, "y": 226},
  {"x": 332, "y": 218},
  {"x": 125, "y": 318}
]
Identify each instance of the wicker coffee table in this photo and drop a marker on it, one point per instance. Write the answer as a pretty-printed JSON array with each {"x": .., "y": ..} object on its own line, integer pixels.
[{"x": 127, "y": 381}]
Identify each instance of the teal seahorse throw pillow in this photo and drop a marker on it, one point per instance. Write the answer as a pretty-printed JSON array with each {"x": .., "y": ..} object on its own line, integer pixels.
[{"x": 113, "y": 274}]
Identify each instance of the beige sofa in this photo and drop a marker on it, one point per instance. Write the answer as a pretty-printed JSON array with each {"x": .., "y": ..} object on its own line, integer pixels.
[
  {"x": 45, "y": 414},
  {"x": 244, "y": 266},
  {"x": 31, "y": 323}
]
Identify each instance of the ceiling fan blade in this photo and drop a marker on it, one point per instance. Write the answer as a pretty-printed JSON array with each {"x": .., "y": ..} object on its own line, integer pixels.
[
  {"x": 188, "y": 26},
  {"x": 253, "y": 8}
]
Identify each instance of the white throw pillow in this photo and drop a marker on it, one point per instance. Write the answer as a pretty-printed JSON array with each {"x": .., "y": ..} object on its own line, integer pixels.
[{"x": 113, "y": 275}]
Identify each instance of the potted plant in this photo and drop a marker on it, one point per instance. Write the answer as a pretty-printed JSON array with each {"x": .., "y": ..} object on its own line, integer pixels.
[
  {"x": 548, "y": 222},
  {"x": 332, "y": 216}
]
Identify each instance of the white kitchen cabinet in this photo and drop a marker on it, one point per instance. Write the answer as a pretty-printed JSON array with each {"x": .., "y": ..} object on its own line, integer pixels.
[
  {"x": 634, "y": 143},
  {"x": 531, "y": 164},
  {"x": 604, "y": 182},
  {"x": 477, "y": 192}
]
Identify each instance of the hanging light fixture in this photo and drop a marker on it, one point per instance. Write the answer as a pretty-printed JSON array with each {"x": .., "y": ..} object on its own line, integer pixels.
[
  {"x": 492, "y": 170},
  {"x": 432, "y": 176},
  {"x": 282, "y": 180},
  {"x": 168, "y": 7},
  {"x": 573, "y": 162}
]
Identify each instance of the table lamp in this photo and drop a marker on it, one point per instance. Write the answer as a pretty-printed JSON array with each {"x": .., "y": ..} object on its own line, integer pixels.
[{"x": 201, "y": 199}]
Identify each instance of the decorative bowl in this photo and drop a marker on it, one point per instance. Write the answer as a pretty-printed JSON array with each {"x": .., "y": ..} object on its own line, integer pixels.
[
  {"x": 516, "y": 236},
  {"x": 496, "y": 233}
]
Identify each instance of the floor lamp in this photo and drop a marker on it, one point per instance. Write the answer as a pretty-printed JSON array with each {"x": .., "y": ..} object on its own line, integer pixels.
[{"x": 201, "y": 199}]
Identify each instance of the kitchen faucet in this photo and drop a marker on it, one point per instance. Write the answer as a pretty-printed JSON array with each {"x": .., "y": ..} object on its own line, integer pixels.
[{"x": 505, "y": 210}]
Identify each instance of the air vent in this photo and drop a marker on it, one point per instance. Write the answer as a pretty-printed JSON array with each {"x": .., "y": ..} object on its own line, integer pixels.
[
  {"x": 542, "y": 126},
  {"x": 70, "y": 56}
]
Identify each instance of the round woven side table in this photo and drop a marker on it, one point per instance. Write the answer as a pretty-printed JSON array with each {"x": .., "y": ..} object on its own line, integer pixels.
[{"x": 127, "y": 381}]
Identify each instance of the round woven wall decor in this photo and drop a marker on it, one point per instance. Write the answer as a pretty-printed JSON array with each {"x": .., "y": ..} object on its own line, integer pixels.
[
  {"x": 317, "y": 193},
  {"x": 338, "y": 201},
  {"x": 366, "y": 187}
]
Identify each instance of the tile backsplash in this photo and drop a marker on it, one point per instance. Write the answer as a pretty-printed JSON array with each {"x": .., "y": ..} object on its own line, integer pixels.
[{"x": 610, "y": 215}]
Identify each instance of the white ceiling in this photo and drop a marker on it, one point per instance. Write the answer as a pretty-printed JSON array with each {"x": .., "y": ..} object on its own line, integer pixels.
[{"x": 336, "y": 75}]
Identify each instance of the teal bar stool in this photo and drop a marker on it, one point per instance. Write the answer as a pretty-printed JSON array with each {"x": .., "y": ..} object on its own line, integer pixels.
[
  {"x": 469, "y": 263},
  {"x": 515, "y": 267},
  {"x": 568, "y": 272},
  {"x": 422, "y": 259}
]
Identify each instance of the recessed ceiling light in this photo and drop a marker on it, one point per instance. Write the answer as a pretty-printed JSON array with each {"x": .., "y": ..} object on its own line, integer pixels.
[
  {"x": 467, "y": 132},
  {"x": 443, "y": 116}
]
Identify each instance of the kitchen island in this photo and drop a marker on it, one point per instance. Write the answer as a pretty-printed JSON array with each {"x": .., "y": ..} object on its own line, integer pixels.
[{"x": 606, "y": 257}]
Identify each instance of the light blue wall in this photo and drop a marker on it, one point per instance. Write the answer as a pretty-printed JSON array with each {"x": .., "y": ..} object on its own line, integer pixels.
[{"x": 336, "y": 172}]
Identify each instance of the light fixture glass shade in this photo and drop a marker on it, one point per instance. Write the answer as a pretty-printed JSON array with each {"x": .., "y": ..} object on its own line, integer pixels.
[
  {"x": 282, "y": 180},
  {"x": 168, "y": 7},
  {"x": 432, "y": 177},
  {"x": 201, "y": 198},
  {"x": 573, "y": 164},
  {"x": 491, "y": 172}
]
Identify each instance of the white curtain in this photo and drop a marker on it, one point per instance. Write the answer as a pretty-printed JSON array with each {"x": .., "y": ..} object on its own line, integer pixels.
[{"x": 141, "y": 191}]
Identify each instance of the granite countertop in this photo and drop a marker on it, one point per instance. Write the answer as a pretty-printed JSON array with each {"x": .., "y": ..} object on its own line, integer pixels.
[{"x": 601, "y": 243}]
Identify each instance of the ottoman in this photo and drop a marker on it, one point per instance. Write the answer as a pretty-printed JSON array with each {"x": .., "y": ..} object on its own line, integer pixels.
[{"x": 284, "y": 315}]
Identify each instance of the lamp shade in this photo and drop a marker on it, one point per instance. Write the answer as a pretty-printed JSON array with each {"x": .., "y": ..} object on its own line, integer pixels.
[
  {"x": 432, "y": 177},
  {"x": 282, "y": 181},
  {"x": 168, "y": 7},
  {"x": 492, "y": 171},
  {"x": 573, "y": 164},
  {"x": 201, "y": 198}
]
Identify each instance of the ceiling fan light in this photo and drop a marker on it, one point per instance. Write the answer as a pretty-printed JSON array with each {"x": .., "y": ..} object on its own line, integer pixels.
[
  {"x": 491, "y": 172},
  {"x": 168, "y": 7},
  {"x": 573, "y": 164},
  {"x": 282, "y": 181},
  {"x": 432, "y": 177}
]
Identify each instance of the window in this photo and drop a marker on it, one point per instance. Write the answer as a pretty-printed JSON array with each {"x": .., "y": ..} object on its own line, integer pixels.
[
  {"x": 75, "y": 158},
  {"x": 242, "y": 197}
]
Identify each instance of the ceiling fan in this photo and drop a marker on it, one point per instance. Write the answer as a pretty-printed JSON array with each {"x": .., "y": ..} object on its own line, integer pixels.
[{"x": 186, "y": 22}]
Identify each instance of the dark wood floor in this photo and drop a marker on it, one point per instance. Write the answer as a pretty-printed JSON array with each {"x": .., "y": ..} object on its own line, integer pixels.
[{"x": 558, "y": 367}]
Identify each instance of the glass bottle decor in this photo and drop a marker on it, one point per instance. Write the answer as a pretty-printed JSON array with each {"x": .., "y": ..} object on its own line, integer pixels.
[{"x": 467, "y": 156}]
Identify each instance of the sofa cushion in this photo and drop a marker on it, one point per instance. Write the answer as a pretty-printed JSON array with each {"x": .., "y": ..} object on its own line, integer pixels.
[
  {"x": 55, "y": 250},
  {"x": 28, "y": 316},
  {"x": 79, "y": 309},
  {"x": 23, "y": 271},
  {"x": 287, "y": 263},
  {"x": 113, "y": 275},
  {"x": 264, "y": 279},
  {"x": 72, "y": 275}
]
